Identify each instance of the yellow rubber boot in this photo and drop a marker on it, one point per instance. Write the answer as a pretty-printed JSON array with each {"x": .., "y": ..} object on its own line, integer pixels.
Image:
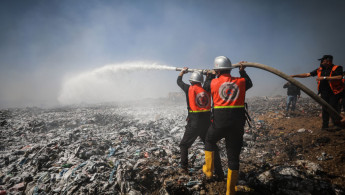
[
  {"x": 209, "y": 165},
  {"x": 231, "y": 182}
]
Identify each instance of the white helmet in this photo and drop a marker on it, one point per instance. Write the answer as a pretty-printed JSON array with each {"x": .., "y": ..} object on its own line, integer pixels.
[
  {"x": 196, "y": 77},
  {"x": 222, "y": 63}
]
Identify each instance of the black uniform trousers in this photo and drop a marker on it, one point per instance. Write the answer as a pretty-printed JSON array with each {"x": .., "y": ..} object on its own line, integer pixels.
[
  {"x": 233, "y": 135},
  {"x": 197, "y": 126},
  {"x": 332, "y": 100}
]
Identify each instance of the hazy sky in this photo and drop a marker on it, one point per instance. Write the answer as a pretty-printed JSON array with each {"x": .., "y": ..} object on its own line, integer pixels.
[{"x": 44, "y": 43}]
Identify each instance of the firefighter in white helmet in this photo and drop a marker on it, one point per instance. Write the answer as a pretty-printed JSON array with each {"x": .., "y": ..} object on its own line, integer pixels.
[
  {"x": 198, "y": 119},
  {"x": 228, "y": 95}
]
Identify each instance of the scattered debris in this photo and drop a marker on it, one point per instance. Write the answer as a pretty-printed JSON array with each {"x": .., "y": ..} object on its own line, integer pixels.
[{"x": 133, "y": 149}]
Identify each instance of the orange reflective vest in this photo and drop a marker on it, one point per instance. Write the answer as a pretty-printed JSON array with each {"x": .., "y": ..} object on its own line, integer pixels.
[
  {"x": 337, "y": 86},
  {"x": 199, "y": 99},
  {"x": 228, "y": 92}
]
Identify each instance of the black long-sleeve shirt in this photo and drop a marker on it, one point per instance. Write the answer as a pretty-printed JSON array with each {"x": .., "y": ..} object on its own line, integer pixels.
[
  {"x": 292, "y": 89},
  {"x": 185, "y": 88}
]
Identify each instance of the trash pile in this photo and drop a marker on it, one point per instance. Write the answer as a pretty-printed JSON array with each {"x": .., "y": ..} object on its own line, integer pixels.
[{"x": 133, "y": 149}]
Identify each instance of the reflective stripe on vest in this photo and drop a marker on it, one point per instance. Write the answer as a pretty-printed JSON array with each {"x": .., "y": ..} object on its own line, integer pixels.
[
  {"x": 195, "y": 111},
  {"x": 199, "y": 99},
  {"x": 239, "y": 106},
  {"x": 228, "y": 91},
  {"x": 337, "y": 86}
]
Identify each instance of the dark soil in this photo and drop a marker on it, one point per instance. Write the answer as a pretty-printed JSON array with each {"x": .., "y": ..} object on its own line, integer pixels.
[
  {"x": 309, "y": 145},
  {"x": 281, "y": 137}
]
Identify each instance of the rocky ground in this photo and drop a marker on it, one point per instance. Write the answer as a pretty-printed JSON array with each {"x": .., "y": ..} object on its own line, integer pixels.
[{"x": 133, "y": 149}]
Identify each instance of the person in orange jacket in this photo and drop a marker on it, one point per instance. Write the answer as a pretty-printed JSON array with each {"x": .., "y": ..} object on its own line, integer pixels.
[
  {"x": 199, "y": 112},
  {"x": 331, "y": 89},
  {"x": 228, "y": 95}
]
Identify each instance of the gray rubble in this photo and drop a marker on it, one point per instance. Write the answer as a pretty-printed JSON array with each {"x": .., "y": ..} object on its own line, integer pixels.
[{"x": 133, "y": 149}]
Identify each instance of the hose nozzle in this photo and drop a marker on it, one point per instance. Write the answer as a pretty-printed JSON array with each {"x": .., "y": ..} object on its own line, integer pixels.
[{"x": 203, "y": 71}]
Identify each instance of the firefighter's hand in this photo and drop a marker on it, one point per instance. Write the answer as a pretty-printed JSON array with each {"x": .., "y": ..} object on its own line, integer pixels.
[
  {"x": 209, "y": 72},
  {"x": 320, "y": 78},
  {"x": 183, "y": 71},
  {"x": 241, "y": 65}
]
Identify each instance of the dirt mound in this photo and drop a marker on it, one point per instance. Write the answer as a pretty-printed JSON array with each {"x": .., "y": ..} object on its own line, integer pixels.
[
  {"x": 301, "y": 137},
  {"x": 289, "y": 153}
]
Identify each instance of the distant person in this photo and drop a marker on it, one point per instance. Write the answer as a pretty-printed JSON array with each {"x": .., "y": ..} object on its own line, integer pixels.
[
  {"x": 331, "y": 90},
  {"x": 199, "y": 115},
  {"x": 229, "y": 117},
  {"x": 293, "y": 93}
]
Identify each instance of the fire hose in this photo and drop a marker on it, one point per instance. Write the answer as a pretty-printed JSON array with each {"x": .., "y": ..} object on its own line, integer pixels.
[{"x": 334, "y": 114}]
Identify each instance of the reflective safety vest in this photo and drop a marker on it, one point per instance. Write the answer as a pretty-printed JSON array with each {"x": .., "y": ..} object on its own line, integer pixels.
[
  {"x": 337, "y": 86},
  {"x": 199, "y": 99},
  {"x": 228, "y": 92}
]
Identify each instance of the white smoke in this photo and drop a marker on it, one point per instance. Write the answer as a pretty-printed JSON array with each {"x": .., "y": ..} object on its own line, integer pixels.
[{"x": 116, "y": 82}]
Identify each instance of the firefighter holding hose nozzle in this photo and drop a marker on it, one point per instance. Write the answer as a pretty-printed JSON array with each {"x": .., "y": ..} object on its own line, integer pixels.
[
  {"x": 228, "y": 94},
  {"x": 331, "y": 89},
  {"x": 199, "y": 112}
]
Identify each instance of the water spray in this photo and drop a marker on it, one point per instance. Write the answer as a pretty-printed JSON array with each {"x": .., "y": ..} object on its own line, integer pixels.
[
  {"x": 112, "y": 82},
  {"x": 305, "y": 89}
]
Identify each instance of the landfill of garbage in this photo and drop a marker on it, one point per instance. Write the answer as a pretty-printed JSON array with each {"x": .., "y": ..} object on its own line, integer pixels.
[{"x": 133, "y": 148}]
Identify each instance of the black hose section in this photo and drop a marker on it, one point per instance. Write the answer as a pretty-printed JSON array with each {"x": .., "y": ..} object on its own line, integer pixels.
[{"x": 336, "y": 116}]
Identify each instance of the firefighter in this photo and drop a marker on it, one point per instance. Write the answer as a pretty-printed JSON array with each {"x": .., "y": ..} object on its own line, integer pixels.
[
  {"x": 331, "y": 89},
  {"x": 198, "y": 119},
  {"x": 228, "y": 117}
]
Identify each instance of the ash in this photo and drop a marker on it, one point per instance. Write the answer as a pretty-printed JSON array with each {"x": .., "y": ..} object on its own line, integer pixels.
[{"x": 132, "y": 148}]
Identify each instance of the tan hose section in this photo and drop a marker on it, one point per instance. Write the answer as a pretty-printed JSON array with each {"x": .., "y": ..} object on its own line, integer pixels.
[{"x": 306, "y": 90}]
